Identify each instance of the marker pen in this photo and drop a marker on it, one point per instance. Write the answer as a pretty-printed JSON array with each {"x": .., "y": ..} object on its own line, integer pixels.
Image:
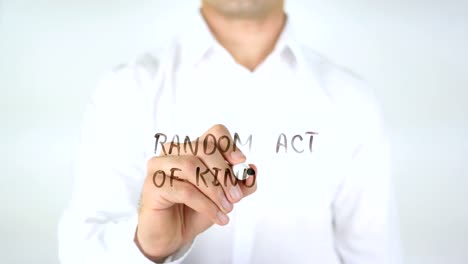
[{"x": 242, "y": 171}]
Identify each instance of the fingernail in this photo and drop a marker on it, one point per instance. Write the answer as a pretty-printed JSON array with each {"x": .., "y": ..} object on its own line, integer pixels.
[
  {"x": 236, "y": 193},
  {"x": 223, "y": 219},
  {"x": 237, "y": 155},
  {"x": 227, "y": 206}
]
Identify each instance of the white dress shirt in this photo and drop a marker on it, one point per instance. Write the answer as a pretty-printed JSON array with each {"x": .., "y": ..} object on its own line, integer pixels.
[{"x": 331, "y": 205}]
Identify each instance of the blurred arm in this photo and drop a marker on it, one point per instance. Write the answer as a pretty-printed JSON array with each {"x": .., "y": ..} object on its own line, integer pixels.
[
  {"x": 364, "y": 215},
  {"x": 100, "y": 223}
]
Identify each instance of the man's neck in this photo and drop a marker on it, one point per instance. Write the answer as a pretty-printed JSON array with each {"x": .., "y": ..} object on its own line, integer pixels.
[{"x": 249, "y": 41}]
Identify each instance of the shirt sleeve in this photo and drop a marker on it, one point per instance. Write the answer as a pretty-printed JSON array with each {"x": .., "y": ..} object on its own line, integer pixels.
[
  {"x": 363, "y": 209},
  {"x": 100, "y": 222}
]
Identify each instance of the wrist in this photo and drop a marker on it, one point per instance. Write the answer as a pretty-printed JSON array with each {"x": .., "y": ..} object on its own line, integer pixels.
[{"x": 157, "y": 257}]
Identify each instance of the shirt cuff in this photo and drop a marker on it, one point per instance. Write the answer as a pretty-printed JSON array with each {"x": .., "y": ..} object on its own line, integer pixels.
[{"x": 133, "y": 253}]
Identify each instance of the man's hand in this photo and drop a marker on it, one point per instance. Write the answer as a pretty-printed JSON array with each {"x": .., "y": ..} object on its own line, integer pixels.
[{"x": 172, "y": 215}]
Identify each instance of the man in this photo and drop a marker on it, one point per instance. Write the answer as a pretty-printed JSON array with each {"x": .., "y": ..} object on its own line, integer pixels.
[{"x": 311, "y": 130}]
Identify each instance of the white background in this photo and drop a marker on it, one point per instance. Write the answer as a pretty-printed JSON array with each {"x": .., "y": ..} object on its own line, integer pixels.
[{"x": 414, "y": 53}]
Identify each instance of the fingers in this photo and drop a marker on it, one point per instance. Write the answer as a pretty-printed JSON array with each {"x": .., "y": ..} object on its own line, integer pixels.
[
  {"x": 217, "y": 163},
  {"x": 218, "y": 152},
  {"x": 220, "y": 136},
  {"x": 192, "y": 170},
  {"x": 212, "y": 166},
  {"x": 185, "y": 193}
]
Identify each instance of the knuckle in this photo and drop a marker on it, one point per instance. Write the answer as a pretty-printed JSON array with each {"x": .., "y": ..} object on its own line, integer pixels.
[
  {"x": 187, "y": 192},
  {"x": 215, "y": 194},
  {"x": 219, "y": 127},
  {"x": 191, "y": 163},
  {"x": 210, "y": 209},
  {"x": 209, "y": 143},
  {"x": 151, "y": 163},
  {"x": 200, "y": 143}
]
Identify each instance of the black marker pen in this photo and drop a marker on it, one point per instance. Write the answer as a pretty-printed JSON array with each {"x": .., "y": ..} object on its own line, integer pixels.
[{"x": 242, "y": 171}]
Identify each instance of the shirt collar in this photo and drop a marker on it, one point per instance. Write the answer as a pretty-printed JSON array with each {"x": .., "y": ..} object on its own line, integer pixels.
[
  {"x": 196, "y": 41},
  {"x": 287, "y": 45}
]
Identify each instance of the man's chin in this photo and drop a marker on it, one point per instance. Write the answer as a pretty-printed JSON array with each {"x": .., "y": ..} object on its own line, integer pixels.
[{"x": 243, "y": 9}]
